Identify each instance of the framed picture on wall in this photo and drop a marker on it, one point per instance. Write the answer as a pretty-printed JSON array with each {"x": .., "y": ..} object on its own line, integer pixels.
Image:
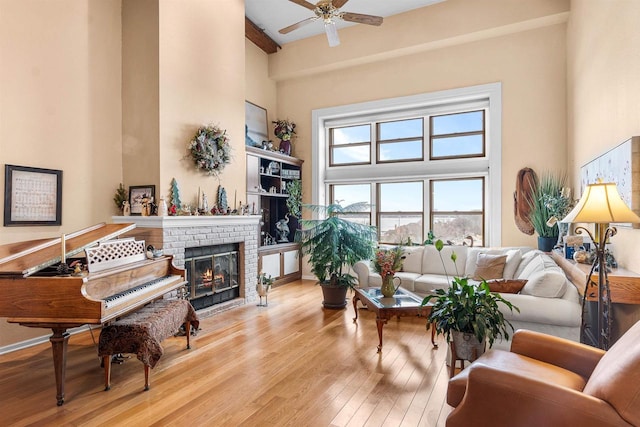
[
  {"x": 621, "y": 165},
  {"x": 139, "y": 195},
  {"x": 255, "y": 128},
  {"x": 32, "y": 196}
]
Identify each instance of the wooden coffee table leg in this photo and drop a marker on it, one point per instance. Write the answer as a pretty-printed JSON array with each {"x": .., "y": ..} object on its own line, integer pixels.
[{"x": 380, "y": 323}]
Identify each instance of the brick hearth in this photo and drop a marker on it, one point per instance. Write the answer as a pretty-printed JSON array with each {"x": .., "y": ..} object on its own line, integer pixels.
[{"x": 175, "y": 233}]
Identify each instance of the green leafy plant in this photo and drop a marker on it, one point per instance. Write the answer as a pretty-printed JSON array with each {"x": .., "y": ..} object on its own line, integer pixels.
[
  {"x": 333, "y": 243},
  {"x": 294, "y": 200},
  {"x": 550, "y": 202},
  {"x": 468, "y": 308}
]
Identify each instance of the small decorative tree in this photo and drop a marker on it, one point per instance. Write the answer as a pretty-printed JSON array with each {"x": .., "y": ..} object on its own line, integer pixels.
[
  {"x": 175, "y": 197},
  {"x": 222, "y": 199},
  {"x": 120, "y": 197}
]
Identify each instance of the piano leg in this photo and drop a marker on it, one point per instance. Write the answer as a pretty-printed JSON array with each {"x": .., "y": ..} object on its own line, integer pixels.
[{"x": 59, "y": 341}]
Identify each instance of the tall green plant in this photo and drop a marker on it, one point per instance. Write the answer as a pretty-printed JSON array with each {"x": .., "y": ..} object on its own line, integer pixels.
[
  {"x": 548, "y": 200},
  {"x": 333, "y": 243}
]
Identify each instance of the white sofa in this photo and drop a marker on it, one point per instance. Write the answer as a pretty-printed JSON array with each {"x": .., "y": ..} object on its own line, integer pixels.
[{"x": 548, "y": 302}]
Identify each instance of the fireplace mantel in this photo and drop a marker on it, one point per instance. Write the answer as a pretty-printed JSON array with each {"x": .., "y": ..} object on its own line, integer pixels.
[
  {"x": 173, "y": 234},
  {"x": 187, "y": 221}
]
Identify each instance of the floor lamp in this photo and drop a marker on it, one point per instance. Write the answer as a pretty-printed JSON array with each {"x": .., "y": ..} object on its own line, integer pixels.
[{"x": 600, "y": 204}]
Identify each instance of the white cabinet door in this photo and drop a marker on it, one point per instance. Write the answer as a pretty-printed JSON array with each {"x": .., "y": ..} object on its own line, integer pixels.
[
  {"x": 291, "y": 262},
  {"x": 271, "y": 265}
]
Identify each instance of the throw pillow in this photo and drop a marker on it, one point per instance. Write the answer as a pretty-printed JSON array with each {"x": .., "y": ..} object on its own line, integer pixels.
[
  {"x": 506, "y": 286},
  {"x": 514, "y": 257},
  {"x": 489, "y": 267},
  {"x": 550, "y": 283}
]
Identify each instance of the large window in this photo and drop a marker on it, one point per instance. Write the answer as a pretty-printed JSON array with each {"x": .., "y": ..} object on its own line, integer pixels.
[
  {"x": 400, "y": 215},
  {"x": 424, "y": 163},
  {"x": 400, "y": 140},
  {"x": 350, "y": 145},
  {"x": 457, "y": 210},
  {"x": 457, "y": 135}
]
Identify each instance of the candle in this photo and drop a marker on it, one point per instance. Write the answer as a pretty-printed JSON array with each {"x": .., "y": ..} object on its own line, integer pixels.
[{"x": 64, "y": 255}]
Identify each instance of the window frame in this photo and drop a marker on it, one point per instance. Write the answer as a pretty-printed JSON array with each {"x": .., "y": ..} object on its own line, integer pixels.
[
  {"x": 333, "y": 146},
  {"x": 482, "y": 212},
  {"x": 433, "y": 136},
  {"x": 486, "y": 96}
]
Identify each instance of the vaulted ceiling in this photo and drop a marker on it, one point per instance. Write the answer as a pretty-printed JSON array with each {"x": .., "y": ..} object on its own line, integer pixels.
[{"x": 269, "y": 16}]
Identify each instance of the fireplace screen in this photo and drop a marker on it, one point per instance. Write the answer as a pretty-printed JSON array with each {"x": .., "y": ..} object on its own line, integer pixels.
[{"x": 212, "y": 277}]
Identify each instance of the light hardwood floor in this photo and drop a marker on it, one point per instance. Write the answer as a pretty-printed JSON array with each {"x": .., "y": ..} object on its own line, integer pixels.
[{"x": 292, "y": 363}]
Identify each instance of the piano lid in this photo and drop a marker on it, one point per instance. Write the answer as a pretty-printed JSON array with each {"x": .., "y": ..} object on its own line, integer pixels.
[{"x": 22, "y": 259}]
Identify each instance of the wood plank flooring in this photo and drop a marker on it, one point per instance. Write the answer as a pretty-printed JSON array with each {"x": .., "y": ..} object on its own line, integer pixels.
[{"x": 292, "y": 363}]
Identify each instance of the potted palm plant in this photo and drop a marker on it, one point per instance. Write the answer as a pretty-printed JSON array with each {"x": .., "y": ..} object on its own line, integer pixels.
[
  {"x": 333, "y": 245},
  {"x": 550, "y": 202},
  {"x": 468, "y": 314}
]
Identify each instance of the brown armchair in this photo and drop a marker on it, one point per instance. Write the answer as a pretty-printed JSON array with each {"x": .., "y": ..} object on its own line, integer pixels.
[{"x": 549, "y": 381}]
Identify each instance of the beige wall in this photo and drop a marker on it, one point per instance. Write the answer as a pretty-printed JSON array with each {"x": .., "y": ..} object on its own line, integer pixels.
[
  {"x": 140, "y": 95},
  {"x": 60, "y": 108},
  {"x": 525, "y": 52},
  {"x": 202, "y": 63},
  {"x": 603, "y": 91},
  {"x": 260, "y": 89}
]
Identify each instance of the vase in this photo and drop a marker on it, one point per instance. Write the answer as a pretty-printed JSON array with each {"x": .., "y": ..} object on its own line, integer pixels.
[
  {"x": 285, "y": 147},
  {"x": 388, "y": 288}
]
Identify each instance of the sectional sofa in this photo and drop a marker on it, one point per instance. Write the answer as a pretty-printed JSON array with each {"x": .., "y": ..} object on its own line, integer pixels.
[{"x": 548, "y": 301}]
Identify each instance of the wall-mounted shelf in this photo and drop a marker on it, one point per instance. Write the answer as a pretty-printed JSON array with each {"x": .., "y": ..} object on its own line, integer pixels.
[{"x": 268, "y": 173}]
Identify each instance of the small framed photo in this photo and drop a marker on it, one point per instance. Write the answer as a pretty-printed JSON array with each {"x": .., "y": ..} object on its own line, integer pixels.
[
  {"x": 255, "y": 129},
  {"x": 137, "y": 196},
  {"x": 32, "y": 196}
]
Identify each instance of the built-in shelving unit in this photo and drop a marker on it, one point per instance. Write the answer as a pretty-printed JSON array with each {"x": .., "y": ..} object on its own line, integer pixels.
[{"x": 268, "y": 173}]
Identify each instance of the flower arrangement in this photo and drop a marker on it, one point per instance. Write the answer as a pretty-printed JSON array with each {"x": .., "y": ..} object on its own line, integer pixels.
[
  {"x": 388, "y": 261},
  {"x": 210, "y": 149},
  {"x": 284, "y": 129}
]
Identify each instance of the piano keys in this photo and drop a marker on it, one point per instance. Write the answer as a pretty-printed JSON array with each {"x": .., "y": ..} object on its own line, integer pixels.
[{"x": 120, "y": 279}]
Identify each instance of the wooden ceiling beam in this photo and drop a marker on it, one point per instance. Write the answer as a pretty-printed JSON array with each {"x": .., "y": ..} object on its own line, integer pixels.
[{"x": 259, "y": 38}]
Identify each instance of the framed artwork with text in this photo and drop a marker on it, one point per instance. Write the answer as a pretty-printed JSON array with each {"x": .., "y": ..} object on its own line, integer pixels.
[{"x": 32, "y": 196}]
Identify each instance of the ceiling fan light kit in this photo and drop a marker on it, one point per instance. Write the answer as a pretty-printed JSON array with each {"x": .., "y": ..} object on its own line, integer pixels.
[{"x": 328, "y": 11}]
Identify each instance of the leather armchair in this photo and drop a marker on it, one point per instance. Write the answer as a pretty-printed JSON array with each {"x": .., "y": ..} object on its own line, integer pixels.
[{"x": 549, "y": 381}]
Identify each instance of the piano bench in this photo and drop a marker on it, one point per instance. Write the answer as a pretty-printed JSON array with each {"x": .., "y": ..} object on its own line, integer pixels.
[{"x": 142, "y": 331}]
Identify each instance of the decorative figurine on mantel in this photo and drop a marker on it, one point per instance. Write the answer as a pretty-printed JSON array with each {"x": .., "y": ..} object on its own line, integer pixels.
[{"x": 126, "y": 208}]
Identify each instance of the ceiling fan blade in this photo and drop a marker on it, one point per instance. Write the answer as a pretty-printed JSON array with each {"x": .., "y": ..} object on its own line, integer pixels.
[
  {"x": 297, "y": 25},
  {"x": 361, "y": 19},
  {"x": 304, "y": 3},
  {"x": 339, "y": 3}
]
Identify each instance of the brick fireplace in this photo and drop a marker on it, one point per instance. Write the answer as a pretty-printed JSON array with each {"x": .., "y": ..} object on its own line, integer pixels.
[{"x": 174, "y": 234}]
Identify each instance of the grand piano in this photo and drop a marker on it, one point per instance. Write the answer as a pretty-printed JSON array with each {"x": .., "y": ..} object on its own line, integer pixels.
[{"x": 37, "y": 289}]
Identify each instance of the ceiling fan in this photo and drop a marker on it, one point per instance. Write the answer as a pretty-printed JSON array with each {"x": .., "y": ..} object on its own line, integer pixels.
[{"x": 328, "y": 11}]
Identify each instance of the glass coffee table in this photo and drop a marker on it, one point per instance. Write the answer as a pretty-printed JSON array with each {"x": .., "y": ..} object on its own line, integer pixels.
[{"x": 403, "y": 303}]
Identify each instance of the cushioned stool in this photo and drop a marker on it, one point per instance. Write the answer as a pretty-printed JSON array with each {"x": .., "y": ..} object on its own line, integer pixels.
[{"x": 141, "y": 333}]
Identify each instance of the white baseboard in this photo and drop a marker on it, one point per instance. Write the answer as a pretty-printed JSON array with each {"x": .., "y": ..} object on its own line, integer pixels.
[{"x": 35, "y": 341}]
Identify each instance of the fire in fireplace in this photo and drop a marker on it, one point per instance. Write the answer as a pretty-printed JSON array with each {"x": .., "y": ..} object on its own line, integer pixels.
[{"x": 213, "y": 274}]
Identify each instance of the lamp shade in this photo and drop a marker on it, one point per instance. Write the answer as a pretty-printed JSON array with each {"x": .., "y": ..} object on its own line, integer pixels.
[{"x": 601, "y": 203}]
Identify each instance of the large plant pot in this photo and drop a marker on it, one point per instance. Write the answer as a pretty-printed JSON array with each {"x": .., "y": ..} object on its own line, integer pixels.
[
  {"x": 546, "y": 244},
  {"x": 335, "y": 297},
  {"x": 467, "y": 346}
]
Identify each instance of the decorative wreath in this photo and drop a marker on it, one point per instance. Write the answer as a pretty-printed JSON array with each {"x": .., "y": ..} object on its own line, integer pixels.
[{"x": 210, "y": 149}]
